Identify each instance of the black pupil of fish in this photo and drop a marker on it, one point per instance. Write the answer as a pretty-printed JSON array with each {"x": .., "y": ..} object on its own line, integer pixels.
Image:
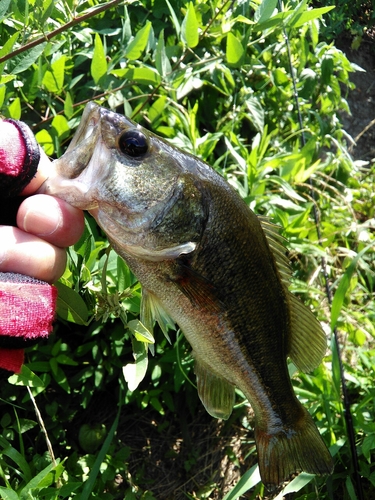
[{"x": 133, "y": 143}]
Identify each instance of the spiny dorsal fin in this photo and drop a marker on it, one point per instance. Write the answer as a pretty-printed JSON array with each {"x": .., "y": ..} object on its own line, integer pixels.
[
  {"x": 151, "y": 311},
  {"x": 216, "y": 394}
]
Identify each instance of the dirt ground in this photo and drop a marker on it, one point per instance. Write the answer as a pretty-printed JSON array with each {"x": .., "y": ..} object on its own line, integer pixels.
[{"x": 361, "y": 123}]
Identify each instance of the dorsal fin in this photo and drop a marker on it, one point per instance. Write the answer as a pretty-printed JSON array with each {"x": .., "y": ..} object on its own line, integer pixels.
[
  {"x": 307, "y": 342},
  {"x": 276, "y": 243}
]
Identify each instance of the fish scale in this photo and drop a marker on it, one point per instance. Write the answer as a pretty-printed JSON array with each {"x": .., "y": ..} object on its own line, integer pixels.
[{"x": 209, "y": 264}]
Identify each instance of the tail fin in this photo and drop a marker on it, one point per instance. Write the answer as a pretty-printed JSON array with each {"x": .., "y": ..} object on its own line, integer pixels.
[{"x": 292, "y": 450}]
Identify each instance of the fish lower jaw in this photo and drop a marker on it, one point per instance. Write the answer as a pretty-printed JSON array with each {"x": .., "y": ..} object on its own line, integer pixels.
[{"x": 72, "y": 191}]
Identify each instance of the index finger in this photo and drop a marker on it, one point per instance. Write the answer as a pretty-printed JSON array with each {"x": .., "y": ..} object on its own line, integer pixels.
[{"x": 40, "y": 176}]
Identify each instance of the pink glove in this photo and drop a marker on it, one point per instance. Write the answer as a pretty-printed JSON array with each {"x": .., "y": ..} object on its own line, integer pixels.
[{"x": 27, "y": 305}]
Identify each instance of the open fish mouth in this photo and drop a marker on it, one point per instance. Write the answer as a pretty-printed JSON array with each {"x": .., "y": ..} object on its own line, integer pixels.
[
  {"x": 80, "y": 150},
  {"x": 73, "y": 177}
]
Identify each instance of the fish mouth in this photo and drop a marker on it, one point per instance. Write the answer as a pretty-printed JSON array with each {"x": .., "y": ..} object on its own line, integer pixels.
[
  {"x": 71, "y": 177},
  {"x": 80, "y": 150}
]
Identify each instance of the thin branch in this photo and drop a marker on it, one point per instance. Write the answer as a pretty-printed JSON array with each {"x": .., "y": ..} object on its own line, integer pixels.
[
  {"x": 43, "y": 427},
  {"x": 63, "y": 28},
  {"x": 368, "y": 126}
]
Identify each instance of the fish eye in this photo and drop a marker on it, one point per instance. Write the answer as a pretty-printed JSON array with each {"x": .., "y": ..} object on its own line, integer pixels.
[{"x": 133, "y": 143}]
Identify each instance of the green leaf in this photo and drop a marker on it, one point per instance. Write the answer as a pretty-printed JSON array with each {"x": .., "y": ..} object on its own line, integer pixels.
[
  {"x": 175, "y": 22},
  {"x": 45, "y": 140},
  {"x": 338, "y": 298},
  {"x": 59, "y": 375},
  {"x": 327, "y": 70},
  {"x": 157, "y": 108},
  {"x": 14, "y": 109},
  {"x": 68, "y": 106},
  {"x": 336, "y": 371},
  {"x": 4, "y": 6},
  {"x": 139, "y": 75},
  {"x": 45, "y": 478},
  {"x": 7, "y": 47},
  {"x": 53, "y": 79},
  {"x": 98, "y": 67},
  {"x": 90, "y": 483},
  {"x": 189, "y": 28},
  {"x": 309, "y": 15},
  {"x": 234, "y": 50},
  {"x": 6, "y": 493},
  {"x": 5, "y": 79},
  {"x": 286, "y": 187},
  {"x": 70, "y": 305},
  {"x": 256, "y": 113},
  {"x": 24, "y": 425},
  {"x": 265, "y": 10},
  {"x": 26, "y": 59},
  {"x": 161, "y": 60},
  {"x": 140, "y": 332},
  {"x": 63, "y": 359},
  {"x": 122, "y": 275},
  {"x": 367, "y": 446},
  {"x": 2, "y": 93},
  {"x": 139, "y": 43},
  {"x": 280, "y": 77},
  {"x": 26, "y": 378},
  {"x": 134, "y": 373},
  {"x": 296, "y": 484},
  {"x": 61, "y": 126},
  {"x": 350, "y": 488},
  {"x": 247, "y": 481},
  {"x": 23, "y": 467}
]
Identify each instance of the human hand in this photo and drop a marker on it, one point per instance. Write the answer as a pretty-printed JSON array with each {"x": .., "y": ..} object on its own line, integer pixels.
[{"x": 45, "y": 226}]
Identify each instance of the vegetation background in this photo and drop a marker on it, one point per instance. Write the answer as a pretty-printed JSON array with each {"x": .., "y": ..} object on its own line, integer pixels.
[{"x": 219, "y": 79}]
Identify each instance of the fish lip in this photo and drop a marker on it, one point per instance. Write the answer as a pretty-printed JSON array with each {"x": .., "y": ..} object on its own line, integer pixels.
[
  {"x": 67, "y": 167},
  {"x": 84, "y": 140},
  {"x": 89, "y": 122}
]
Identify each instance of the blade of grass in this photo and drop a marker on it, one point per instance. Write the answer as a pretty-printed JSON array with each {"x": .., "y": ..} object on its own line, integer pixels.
[
  {"x": 90, "y": 483},
  {"x": 247, "y": 481}
]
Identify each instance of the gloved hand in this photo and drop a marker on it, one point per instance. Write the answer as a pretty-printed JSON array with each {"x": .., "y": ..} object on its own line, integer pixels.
[{"x": 32, "y": 250}]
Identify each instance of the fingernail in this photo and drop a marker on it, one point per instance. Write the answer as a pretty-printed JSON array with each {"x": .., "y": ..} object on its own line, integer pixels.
[{"x": 42, "y": 222}]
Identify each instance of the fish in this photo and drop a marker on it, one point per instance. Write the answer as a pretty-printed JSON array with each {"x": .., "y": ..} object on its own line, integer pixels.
[{"x": 209, "y": 264}]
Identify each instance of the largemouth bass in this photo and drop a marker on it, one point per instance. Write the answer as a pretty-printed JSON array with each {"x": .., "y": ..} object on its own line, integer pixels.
[{"x": 219, "y": 271}]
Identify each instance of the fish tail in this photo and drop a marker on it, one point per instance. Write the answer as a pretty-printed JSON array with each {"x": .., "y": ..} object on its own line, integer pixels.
[{"x": 292, "y": 450}]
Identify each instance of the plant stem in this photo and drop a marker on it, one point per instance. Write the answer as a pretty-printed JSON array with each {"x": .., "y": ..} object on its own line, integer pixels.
[
  {"x": 65, "y": 27},
  {"x": 42, "y": 426}
]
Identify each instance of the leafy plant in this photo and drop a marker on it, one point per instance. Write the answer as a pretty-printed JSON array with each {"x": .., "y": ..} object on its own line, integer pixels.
[{"x": 219, "y": 80}]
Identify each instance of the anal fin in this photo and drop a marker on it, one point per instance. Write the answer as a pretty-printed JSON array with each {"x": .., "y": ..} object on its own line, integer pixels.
[{"x": 216, "y": 394}]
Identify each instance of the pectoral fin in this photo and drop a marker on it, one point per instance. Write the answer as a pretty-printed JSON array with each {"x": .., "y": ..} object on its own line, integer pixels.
[
  {"x": 200, "y": 291},
  {"x": 308, "y": 343},
  {"x": 152, "y": 310},
  {"x": 153, "y": 255},
  {"x": 216, "y": 394}
]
